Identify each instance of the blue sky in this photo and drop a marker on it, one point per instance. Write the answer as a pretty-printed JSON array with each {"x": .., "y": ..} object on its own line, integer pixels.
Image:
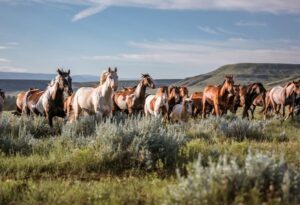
[{"x": 168, "y": 39}]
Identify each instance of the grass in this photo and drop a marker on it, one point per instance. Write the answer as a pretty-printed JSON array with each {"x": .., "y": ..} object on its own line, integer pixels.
[{"x": 141, "y": 160}]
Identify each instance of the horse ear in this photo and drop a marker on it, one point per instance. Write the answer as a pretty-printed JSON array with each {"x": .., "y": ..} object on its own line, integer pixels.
[
  {"x": 69, "y": 72},
  {"x": 109, "y": 69},
  {"x": 116, "y": 69},
  {"x": 59, "y": 71}
]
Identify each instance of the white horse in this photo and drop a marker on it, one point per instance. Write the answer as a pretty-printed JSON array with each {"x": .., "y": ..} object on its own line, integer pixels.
[
  {"x": 181, "y": 112},
  {"x": 97, "y": 100},
  {"x": 279, "y": 97},
  {"x": 157, "y": 104}
]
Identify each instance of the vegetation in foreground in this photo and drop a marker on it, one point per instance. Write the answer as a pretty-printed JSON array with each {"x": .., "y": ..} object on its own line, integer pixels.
[{"x": 143, "y": 161}]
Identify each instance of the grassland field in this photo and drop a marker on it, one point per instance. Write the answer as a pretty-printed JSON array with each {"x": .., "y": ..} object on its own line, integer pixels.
[{"x": 140, "y": 160}]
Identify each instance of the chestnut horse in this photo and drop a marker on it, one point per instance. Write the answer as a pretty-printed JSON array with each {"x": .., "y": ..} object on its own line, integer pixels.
[
  {"x": 133, "y": 98},
  {"x": 183, "y": 93},
  {"x": 158, "y": 103},
  {"x": 97, "y": 100},
  {"x": 20, "y": 102},
  {"x": 279, "y": 97},
  {"x": 217, "y": 96},
  {"x": 2, "y": 97},
  {"x": 51, "y": 101}
]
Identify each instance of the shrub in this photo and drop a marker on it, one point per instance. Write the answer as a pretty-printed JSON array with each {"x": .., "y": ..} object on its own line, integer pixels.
[
  {"x": 260, "y": 179},
  {"x": 240, "y": 129}
]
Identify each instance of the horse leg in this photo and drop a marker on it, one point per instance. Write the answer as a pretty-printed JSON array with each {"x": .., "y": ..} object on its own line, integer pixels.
[
  {"x": 252, "y": 111},
  {"x": 204, "y": 107},
  {"x": 283, "y": 110}
]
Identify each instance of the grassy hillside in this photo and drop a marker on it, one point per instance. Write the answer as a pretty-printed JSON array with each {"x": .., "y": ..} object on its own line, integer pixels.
[{"x": 269, "y": 74}]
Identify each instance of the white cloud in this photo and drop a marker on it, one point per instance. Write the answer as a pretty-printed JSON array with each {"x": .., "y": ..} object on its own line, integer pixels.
[
  {"x": 251, "y": 23},
  {"x": 3, "y": 60},
  {"x": 96, "y": 6},
  {"x": 217, "y": 31},
  {"x": 3, "y": 47},
  {"x": 207, "y": 54},
  {"x": 208, "y": 30},
  {"x": 12, "y": 69}
]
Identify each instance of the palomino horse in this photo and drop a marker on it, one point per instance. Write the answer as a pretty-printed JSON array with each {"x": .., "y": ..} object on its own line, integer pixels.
[
  {"x": 49, "y": 102},
  {"x": 158, "y": 103},
  {"x": 133, "y": 98},
  {"x": 217, "y": 95},
  {"x": 279, "y": 97},
  {"x": 97, "y": 100},
  {"x": 2, "y": 97}
]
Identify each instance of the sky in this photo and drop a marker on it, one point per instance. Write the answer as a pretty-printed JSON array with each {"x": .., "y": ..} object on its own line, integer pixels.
[{"x": 165, "y": 38}]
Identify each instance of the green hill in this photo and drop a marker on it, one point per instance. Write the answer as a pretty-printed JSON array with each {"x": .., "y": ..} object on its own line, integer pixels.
[{"x": 268, "y": 74}]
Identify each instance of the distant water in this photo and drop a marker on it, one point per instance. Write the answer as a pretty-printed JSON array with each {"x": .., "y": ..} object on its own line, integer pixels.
[{"x": 18, "y": 85}]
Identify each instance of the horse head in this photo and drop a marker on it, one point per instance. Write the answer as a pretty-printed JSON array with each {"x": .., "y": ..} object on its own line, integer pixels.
[
  {"x": 296, "y": 87},
  {"x": 2, "y": 93},
  {"x": 173, "y": 92},
  {"x": 112, "y": 78},
  {"x": 64, "y": 81},
  {"x": 188, "y": 105},
  {"x": 228, "y": 84},
  {"x": 163, "y": 93},
  {"x": 148, "y": 81},
  {"x": 183, "y": 91}
]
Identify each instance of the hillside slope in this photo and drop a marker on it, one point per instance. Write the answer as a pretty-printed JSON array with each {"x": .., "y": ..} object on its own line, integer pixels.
[{"x": 269, "y": 74}]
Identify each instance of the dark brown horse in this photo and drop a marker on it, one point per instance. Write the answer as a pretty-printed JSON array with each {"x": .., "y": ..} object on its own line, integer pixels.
[
  {"x": 173, "y": 97},
  {"x": 133, "y": 98},
  {"x": 217, "y": 96},
  {"x": 246, "y": 96},
  {"x": 2, "y": 97},
  {"x": 51, "y": 101}
]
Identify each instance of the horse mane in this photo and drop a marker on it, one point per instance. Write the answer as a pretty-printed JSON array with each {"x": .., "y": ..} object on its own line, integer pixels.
[{"x": 103, "y": 77}]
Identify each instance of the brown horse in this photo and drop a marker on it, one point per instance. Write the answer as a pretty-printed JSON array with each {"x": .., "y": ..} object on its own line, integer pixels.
[
  {"x": 245, "y": 97},
  {"x": 132, "y": 99},
  {"x": 2, "y": 97},
  {"x": 196, "y": 98},
  {"x": 259, "y": 101},
  {"x": 183, "y": 93},
  {"x": 217, "y": 96},
  {"x": 68, "y": 109},
  {"x": 173, "y": 97},
  {"x": 279, "y": 97},
  {"x": 20, "y": 102},
  {"x": 51, "y": 101}
]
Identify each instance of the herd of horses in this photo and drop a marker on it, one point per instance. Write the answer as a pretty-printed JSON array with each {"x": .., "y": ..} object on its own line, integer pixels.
[{"x": 172, "y": 102}]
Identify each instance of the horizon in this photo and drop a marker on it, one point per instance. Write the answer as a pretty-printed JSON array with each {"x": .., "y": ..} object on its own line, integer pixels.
[{"x": 168, "y": 40}]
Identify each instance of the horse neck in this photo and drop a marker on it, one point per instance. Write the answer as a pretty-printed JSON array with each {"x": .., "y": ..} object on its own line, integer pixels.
[
  {"x": 106, "y": 90},
  {"x": 55, "y": 93},
  {"x": 289, "y": 90},
  {"x": 140, "y": 90},
  {"x": 223, "y": 91}
]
